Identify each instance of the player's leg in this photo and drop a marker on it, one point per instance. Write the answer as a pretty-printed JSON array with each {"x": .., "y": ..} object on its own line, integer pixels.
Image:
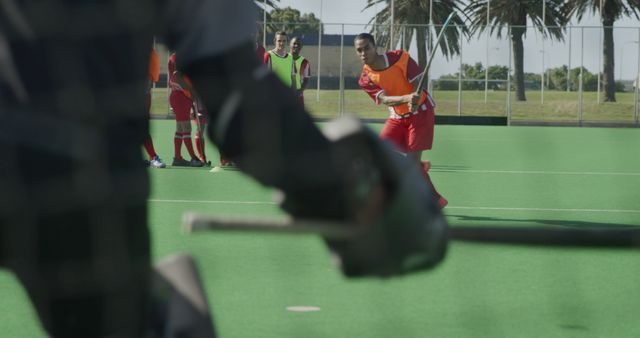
[
  {"x": 260, "y": 125},
  {"x": 154, "y": 159},
  {"x": 182, "y": 108},
  {"x": 185, "y": 127},
  {"x": 420, "y": 137},
  {"x": 395, "y": 132}
]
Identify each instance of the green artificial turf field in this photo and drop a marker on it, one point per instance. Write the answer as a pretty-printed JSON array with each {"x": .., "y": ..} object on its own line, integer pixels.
[{"x": 505, "y": 176}]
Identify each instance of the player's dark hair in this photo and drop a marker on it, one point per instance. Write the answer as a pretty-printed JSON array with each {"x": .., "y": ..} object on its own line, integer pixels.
[
  {"x": 367, "y": 36},
  {"x": 297, "y": 38}
]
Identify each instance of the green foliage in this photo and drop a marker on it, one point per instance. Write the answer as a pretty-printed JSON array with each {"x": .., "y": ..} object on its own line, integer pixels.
[
  {"x": 292, "y": 21},
  {"x": 473, "y": 78}
]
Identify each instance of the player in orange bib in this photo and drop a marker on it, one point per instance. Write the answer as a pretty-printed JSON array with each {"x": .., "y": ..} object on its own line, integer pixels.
[{"x": 391, "y": 79}]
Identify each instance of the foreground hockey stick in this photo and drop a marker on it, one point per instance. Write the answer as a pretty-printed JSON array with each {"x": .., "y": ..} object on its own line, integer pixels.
[
  {"x": 534, "y": 236},
  {"x": 433, "y": 53},
  {"x": 198, "y": 222}
]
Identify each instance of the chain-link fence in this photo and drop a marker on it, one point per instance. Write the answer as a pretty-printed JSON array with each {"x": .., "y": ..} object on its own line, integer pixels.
[{"x": 563, "y": 79}]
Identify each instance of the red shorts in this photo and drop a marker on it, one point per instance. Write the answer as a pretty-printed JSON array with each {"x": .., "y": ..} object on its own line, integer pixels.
[
  {"x": 414, "y": 133},
  {"x": 181, "y": 105}
]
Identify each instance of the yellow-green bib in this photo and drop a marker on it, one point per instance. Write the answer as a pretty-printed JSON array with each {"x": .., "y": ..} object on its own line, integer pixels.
[
  {"x": 299, "y": 72},
  {"x": 282, "y": 67}
]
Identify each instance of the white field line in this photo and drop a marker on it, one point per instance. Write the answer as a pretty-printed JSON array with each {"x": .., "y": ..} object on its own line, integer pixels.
[
  {"x": 211, "y": 202},
  {"x": 629, "y": 211},
  {"x": 536, "y": 172}
]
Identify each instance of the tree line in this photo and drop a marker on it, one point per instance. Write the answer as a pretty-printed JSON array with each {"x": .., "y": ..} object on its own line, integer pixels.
[{"x": 473, "y": 78}]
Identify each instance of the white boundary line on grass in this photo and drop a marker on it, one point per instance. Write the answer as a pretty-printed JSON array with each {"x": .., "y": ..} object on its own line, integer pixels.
[
  {"x": 629, "y": 211},
  {"x": 210, "y": 202},
  {"x": 535, "y": 172}
]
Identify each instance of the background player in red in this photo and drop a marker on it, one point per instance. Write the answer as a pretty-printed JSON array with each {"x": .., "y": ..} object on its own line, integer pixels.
[
  {"x": 260, "y": 51},
  {"x": 154, "y": 76},
  {"x": 302, "y": 68},
  {"x": 181, "y": 100},
  {"x": 391, "y": 79}
]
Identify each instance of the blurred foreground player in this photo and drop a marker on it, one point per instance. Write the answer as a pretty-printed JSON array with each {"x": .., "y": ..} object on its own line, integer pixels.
[{"x": 70, "y": 93}]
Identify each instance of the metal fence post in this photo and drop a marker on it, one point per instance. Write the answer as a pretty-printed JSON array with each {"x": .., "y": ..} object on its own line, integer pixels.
[
  {"x": 460, "y": 77},
  {"x": 637, "y": 83},
  {"x": 342, "y": 71},
  {"x": 321, "y": 25},
  {"x": 580, "y": 89},
  {"x": 508, "y": 112},
  {"x": 569, "y": 62},
  {"x": 600, "y": 51}
]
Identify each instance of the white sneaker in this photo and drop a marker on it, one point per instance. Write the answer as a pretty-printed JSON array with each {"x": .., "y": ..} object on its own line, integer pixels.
[{"x": 156, "y": 162}]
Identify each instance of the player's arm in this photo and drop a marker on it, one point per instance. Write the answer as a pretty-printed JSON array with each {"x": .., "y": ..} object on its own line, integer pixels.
[
  {"x": 398, "y": 100},
  {"x": 306, "y": 75},
  {"x": 378, "y": 94},
  {"x": 184, "y": 82}
]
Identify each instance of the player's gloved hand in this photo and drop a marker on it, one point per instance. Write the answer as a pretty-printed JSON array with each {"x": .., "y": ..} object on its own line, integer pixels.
[{"x": 400, "y": 229}]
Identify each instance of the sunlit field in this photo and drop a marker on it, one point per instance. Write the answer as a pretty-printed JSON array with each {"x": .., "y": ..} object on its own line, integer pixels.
[{"x": 557, "y": 105}]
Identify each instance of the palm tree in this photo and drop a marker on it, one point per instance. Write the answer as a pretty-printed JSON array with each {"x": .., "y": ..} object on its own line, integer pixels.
[
  {"x": 513, "y": 15},
  {"x": 609, "y": 12},
  {"x": 414, "y": 15}
]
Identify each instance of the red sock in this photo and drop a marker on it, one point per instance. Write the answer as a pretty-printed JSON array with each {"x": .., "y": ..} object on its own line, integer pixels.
[
  {"x": 148, "y": 146},
  {"x": 186, "y": 139},
  {"x": 200, "y": 148},
  {"x": 177, "y": 145},
  {"x": 442, "y": 202}
]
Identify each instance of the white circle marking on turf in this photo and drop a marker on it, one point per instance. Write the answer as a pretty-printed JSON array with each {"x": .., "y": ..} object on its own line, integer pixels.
[{"x": 303, "y": 308}]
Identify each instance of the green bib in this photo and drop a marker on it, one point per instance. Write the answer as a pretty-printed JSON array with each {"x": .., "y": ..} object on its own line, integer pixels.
[{"x": 282, "y": 67}]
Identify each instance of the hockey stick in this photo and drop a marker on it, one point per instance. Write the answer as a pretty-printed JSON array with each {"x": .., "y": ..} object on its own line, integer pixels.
[
  {"x": 527, "y": 236},
  {"x": 433, "y": 53},
  {"x": 199, "y": 130},
  {"x": 198, "y": 222}
]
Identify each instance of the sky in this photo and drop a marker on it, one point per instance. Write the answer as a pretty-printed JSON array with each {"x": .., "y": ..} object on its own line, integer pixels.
[{"x": 554, "y": 54}]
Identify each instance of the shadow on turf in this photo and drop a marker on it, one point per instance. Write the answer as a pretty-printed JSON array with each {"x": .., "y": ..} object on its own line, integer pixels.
[
  {"x": 560, "y": 223},
  {"x": 563, "y": 234}
]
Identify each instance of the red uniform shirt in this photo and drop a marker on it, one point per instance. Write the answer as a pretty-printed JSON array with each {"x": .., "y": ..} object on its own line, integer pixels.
[
  {"x": 173, "y": 81},
  {"x": 260, "y": 52}
]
